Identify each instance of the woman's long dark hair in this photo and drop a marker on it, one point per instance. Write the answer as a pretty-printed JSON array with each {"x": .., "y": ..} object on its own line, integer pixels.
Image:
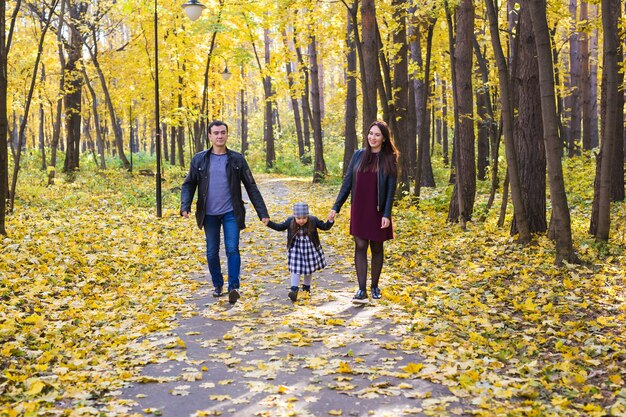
[{"x": 388, "y": 155}]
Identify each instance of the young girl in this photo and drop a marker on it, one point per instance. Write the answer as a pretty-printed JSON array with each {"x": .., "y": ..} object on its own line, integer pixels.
[{"x": 304, "y": 251}]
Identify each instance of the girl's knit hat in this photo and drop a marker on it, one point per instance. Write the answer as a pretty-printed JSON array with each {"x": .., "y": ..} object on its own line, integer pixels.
[{"x": 300, "y": 209}]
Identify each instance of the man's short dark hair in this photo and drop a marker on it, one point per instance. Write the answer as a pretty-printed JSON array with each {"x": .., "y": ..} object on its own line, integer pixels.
[{"x": 217, "y": 123}]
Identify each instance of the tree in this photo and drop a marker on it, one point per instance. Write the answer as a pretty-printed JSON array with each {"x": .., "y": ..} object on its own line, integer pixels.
[
  {"x": 73, "y": 87},
  {"x": 370, "y": 73},
  {"x": 527, "y": 130},
  {"x": 463, "y": 195},
  {"x": 602, "y": 196},
  {"x": 5, "y": 46},
  {"x": 350, "y": 108},
  {"x": 560, "y": 220},
  {"x": 506, "y": 100},
  {"x": 319, "y": 167},
  {"x": 573, "y": 100}
]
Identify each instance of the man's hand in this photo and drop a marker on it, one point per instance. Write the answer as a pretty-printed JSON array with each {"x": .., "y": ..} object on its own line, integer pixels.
[
  {"x": 185, "y": 214},
  {"x": 331, "y": 216},
  {"x": 385, "y": 222},
  {"x": 265, "y": 220}
]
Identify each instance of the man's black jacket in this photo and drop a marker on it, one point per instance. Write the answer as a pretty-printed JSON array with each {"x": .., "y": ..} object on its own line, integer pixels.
[{"x": 237, "y": 171}]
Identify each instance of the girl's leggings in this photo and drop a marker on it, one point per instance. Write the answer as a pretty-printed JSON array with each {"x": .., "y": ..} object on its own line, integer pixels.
[{"x": 295, "y": 279}]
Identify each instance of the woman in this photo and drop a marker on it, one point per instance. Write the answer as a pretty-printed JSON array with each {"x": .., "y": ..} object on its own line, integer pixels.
[{"x": 371, "y": 180}]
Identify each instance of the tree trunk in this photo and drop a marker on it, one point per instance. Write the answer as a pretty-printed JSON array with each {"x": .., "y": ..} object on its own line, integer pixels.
[
  {"x": 466, "y": 166},
  {"x": 563, "y": 132},
  {"x": 244, "y": 116},
  {"x": 585, "y": 93},
  {"x": 350, "y": 115},
  {"x": 594, "y": 131},
  {"x": 444, "y": 117},
  {"x": 96, "y": 115},
  {"x": 610, "y": 13},
  {"x": 73, "y": 89},
  {"x": 319, "y": 167},
  {"x": 527, "y": 131},
  {"x": 484, "y": 112},
  {"x": 617, "y": 165},
  {"x": 574, "y": 84},
  {"x": 295, "y": 107},
  {"x": 554, "y": 148},
  {"x": 424, "y": 172},
  {"x": 56, "y": 131},
  {"x": 4, "y": 122},
  {"x": 268, "y": 124},
  {"x": 369, "y": 68},
  {"x": 400, "y": 94},
  {"x": 307, "y": 115},
  {"x": 506, "y": 99},
  {"x": 42, "y": 125}
]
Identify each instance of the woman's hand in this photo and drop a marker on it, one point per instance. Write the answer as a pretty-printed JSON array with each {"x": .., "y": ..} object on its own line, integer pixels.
[
  {"x": 331, "y": 216},
  {"x": 385, "y": 222}
]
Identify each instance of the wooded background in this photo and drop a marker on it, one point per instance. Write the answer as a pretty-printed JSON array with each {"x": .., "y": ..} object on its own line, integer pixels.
[{"x": 453, "y": 80}]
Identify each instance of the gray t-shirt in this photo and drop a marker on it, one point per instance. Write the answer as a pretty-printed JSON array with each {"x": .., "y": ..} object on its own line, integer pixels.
[{"x": 218, "y": 200}]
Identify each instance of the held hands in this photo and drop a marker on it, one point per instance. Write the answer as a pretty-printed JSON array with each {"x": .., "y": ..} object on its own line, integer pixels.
[
  {"x": 385, "y": 222},
  {"x": 185, "y": 214},
  {"x": 265, "y": 220},
  {"x": 331, "y": 216}
]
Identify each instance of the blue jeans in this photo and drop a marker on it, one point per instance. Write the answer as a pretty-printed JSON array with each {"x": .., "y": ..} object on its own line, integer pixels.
[{"x": 212, "y": 226}]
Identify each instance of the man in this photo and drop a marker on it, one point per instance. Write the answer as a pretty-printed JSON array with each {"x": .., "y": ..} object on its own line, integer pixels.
[{"x": 218, "y": 173}]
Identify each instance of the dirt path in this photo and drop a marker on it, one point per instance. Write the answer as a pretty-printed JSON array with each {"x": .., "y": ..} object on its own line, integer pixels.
[{"x": 267, "y": 356}]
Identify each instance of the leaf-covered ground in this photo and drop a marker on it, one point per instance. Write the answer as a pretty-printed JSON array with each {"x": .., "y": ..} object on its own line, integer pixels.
[{"x": 91, "y": 285}]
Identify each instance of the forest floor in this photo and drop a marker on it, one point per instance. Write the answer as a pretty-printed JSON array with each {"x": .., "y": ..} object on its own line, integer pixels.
[
  {"x": 268, "y": 356},
  {"x": 106, "y": 310}
]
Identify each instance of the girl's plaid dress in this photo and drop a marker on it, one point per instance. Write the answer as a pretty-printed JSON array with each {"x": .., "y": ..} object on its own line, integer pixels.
[{"x": 303, "y": 256}]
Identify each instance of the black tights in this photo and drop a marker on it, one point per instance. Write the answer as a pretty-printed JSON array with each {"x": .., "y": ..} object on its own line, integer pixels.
[{"x": 360, "y": 261}]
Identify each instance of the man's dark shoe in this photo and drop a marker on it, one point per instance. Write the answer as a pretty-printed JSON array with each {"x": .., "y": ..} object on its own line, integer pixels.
[
  {"x": 360, "y": 297},
  {"x": 293, "y": 294},
  {"x": 233, "y": 295},
  {"x": 376, "y": 295},
  {"x": 306, "y": 288},
  {"x": 218, "y": 292}
]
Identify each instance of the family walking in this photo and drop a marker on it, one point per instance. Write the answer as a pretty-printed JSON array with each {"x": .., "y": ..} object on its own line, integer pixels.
[{"x": 370, "y": 182}]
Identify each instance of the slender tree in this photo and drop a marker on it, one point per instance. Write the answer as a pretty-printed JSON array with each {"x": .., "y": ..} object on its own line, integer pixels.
[
  {"x": 4, "y": 123},
  {"x": 602, "y": 195},
  {"x": 370, "y": 74},
  {"x": 506, "y": 100},
  {"x": 463, "y": 195},
  {"x": 560, "y": 221},
  {"x": 527, "y": 130},
  {"x": 73, "y": 87},
  {"x": 350, "y": 108},
  {"x": 319, "y": 167}
]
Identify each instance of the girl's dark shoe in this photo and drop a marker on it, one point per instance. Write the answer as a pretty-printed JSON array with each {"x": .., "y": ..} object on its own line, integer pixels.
[
  {"x": 293, "y": 294},
  {"x": 306, "y": 288},
  {"x": 233, "y": 296},
  {"x": 218, "y": 292},
  {"x": 376, "y": 293},
  {"x": 360, "y": 297}
]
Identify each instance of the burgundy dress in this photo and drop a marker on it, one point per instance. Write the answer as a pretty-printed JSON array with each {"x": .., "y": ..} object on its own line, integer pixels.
[{"x": 365, "y": 219}]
